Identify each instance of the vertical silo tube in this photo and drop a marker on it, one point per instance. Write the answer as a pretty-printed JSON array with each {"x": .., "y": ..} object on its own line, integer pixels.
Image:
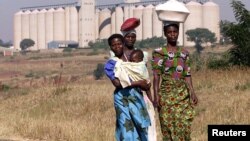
[
  {"x": 118, "y": 19},
  {"x": 33, "y": 28},
  {"x": 147, "y": 20},
  {"x": 195, "y": 9},
  {"x": 157, "y": 26},
  {"x": 59, "y": 24},
  {"x": 97, "y": 14},
  {"x": 49, "y": 25},
  {"x": 211, "y": 18},
  {"x": 67, "y": 23},
  {"x": 138, "y": 14},
  {"x": 113, "y": 21},
  {"x": 17, "y": 30},
  {"x": 41, "y": 28},
  {"x": 25, "y": 25},
  {"x": 105, "y": 23},
  {"x": 73, "y": 24}
]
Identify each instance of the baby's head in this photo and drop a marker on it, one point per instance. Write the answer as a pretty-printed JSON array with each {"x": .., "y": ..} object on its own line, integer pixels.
[{"x": 136, "y": 55}]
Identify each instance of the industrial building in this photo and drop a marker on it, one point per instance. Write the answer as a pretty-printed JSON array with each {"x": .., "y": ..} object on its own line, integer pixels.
[{"x": 84, "y": 21}]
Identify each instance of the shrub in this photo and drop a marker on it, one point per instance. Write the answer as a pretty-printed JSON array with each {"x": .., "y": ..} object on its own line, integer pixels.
[{"x": 99, "y": 71}]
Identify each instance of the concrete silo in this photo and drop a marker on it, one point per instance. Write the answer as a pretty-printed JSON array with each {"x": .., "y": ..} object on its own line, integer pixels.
[
  {"x": 49, "y": 22},
  {"x": 181, "y": 35},
  {"x": 113, "y": 21},
  {"x": 25, "y": 25},
  {"x": 105, "y": 23},
  {"x": 73, "y": 24},
  {"x": 41, "y": 28},
  {"x": 33, "y": 28},
  {"x": 128, "y": 11},
  {"x": 59, "y": 24},
  {"x": 147, "y": 22},
  {"x": 67, "y": 23},
  {"x": 17, "y": 29},
  {"x": 118, "y": 19},
  {"x": 97, "y": 14},
  {"x": 211, "y": 18},
  {"x": 87, "y": 22},
  {"x": 194, "y": 20},
  {"x": 157, "y": 25},
  {"x": 138, "y": 14}
]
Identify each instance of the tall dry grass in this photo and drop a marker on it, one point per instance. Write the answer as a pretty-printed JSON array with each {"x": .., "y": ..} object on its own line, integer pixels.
[{"x": 82, "y": 110}]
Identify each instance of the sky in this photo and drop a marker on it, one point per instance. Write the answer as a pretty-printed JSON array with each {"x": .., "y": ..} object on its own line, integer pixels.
[{"x": 9, "y": 7}]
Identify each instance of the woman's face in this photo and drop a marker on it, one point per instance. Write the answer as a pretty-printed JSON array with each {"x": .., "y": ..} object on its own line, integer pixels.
[
  {"x": 117, "y": 47},
  {"x": 171, "y": 33},
  {"x": 130, "y": 39}
]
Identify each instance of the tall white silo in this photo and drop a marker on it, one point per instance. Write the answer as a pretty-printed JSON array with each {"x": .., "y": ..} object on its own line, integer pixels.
[
  {"x": 59, "y": 24},
  {"x": 194, "y": 20},
  {"x": 157, "y": 25},
  {"x": 128, "y": 11},
  {"x": 67, "y": 23},
  {"x": 25, "y": 25},
  {"x": 147, "y": 20},
  {"x": 138, "y": 14},
  {"x": 17, "y": 30},
  {"x": 33, "y": 28},
  {"x": 97, "y": 15},
  {"x": 118, "y": 19},
  {"x": 87, "y": 21},
  {"x": 73, "y": 24},
  {"x": 113, "y": 21},
  {"x": 49, "y": 22},
  {"x": 211, "y": 18},
  {"x": 41, "y": 29},
  {"x": 105, "y": 23},
  {"x": 181, "y": 35}
]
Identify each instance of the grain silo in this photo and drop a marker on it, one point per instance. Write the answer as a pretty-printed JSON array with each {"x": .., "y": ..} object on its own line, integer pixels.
[
  {"x": 49, "y": 25},
  {"x": 25, "y": 25},
  {"x": 105, "y": 23},
  {"x": 67, "y": 23},
  {"x": 17, "y": 29},
  {"x": 194, "y": 20},
  {"x": 73, "y": 24},
  {"x": 97, "y": 14},
  {"x": 181, "y": 35},
  {"x": 87, "y": 22},
  {"x": 157, "y": 25},
  {"x": 128, "y": 11},
  {"x": 33, "y": 28},
  {"x": 138, "y": 14},
  {"x": 118, "y": 19},
  {"x": 113, "y": 21},
  {"x": 41, "y": 41},
  {"x": 211, "y": 18},
  {"x": 147, "y": 22},
  {"x": 59, "y": 24}
]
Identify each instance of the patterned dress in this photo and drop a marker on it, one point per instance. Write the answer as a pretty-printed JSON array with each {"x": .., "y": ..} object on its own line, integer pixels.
[
  {"x": 132, "y": 118},
  {"x": 176, "y": 112}
]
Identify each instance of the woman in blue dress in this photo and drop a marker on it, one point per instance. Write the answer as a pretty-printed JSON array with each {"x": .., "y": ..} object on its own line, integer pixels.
[{"x": 132, "y": 119}]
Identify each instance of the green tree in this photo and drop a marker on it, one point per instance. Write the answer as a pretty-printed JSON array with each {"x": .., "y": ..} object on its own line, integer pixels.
[
  {"x": 239, "y": 33},
  {"x": 199, "y": 36},
  {"x": 26, "y": 43},
  {"x": 99, "y": 71}
]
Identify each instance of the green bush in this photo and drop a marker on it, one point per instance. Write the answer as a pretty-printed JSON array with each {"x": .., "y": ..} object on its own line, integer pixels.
[{"x": 99, "y": 71}]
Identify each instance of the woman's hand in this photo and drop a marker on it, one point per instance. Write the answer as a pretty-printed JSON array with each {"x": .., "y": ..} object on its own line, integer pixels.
[
  {"x": 143, "y": 84},
  {"x": 194, "y": 99}
]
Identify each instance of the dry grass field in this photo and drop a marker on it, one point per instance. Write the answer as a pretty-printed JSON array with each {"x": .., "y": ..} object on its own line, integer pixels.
[{"x": 54, "y": 97}]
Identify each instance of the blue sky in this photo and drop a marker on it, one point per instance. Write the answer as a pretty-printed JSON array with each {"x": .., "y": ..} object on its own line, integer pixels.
[{"x": 9, "y": 7}]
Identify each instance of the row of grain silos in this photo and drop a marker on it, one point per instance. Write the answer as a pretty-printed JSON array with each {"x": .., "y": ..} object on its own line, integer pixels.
[
  {"x": 45, "y": 25},
  {"x": 88, "y": 23},
  {"x": 201, "y": 16}
]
